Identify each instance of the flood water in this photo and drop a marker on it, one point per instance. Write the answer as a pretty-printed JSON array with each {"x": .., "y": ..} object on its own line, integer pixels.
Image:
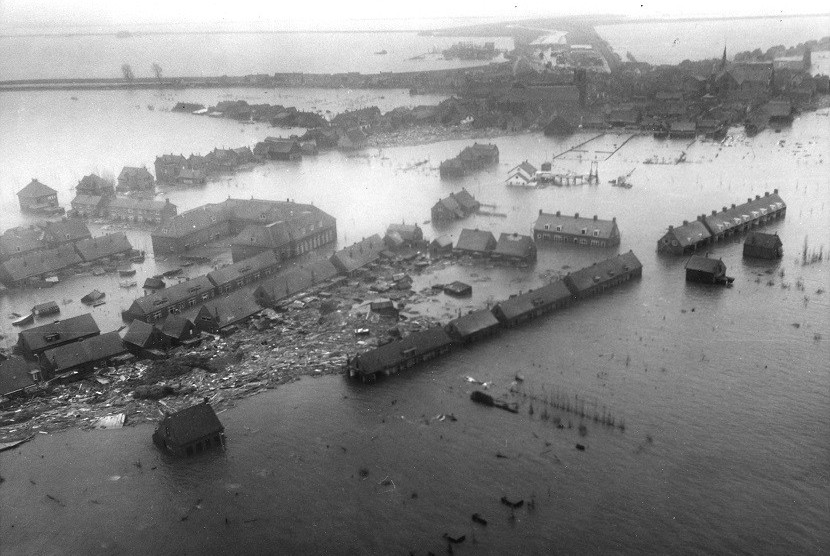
[{"x": 724, "y": 392}]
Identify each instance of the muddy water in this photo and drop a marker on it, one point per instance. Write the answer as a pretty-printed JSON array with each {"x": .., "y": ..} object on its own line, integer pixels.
[{"x": 723, "y": 391}]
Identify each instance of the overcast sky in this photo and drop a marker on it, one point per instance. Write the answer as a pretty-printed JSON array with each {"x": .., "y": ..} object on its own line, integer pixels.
[{"x": 358, "y": 13}]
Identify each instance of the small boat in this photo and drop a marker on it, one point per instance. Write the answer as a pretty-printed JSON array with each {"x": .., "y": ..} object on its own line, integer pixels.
[
  {"x": 172, "y": 272},
  {"x": 98, "y": 303},
  {"x": 52, "y": 279},
  {"x": 137, "y": 258},
  {"x": 154, "y": 283},
  {"x": 126, "y": 272},
  {"x": 22, "y": 321},
  {"x": 127, "y": 283},
  {"x": 381, "y": 52},
  {"x": 92, "y": 297}
]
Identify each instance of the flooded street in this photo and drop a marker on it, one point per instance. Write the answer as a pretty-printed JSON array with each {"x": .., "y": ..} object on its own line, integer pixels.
[{"x": 723, "y": 392}]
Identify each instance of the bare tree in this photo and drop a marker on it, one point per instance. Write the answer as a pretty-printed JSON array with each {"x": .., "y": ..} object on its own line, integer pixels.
[
  {"x": 127, "y": 70},
  {"x": 157, "y": 72}
]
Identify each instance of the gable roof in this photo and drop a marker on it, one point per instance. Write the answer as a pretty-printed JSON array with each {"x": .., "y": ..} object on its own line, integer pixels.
[
  {"x": 737, "y": 215},
  {"x": 140, "y": 204},
  {"x": 170, "y": 296},
  {"x": 414, "y": 345},
  {"x": 548, "y": 294},
  {"x": 86, "y": 200},
  {"x": 93, "y": 182},
  {"x": 467, "y": 201},
  {"x": 36, "y": 263},
  {"x": 176, "y": 326},
  {"x": 690, "y": 233},
  {"x": 91, "y": 350},
  {"x": 574, "y": 224},
  {"x": 471, "y": 323},
  {"x": 35, "y": 189},
  {"x": 103, "y": 246},
  {"x": 190, "y": 424},
  {"x": 751, "y": 71},
  {"x": 704, "y": 264},
  {"x": 14, "y": 375},
  {"x": 67, "y": 229},
  {"x": 603, "y": 271},
  {"x": 132, "y": 172},
  {"x": 407, "y": 232},
  {"x": 140, "y": 333},
  {"x": 245, "y": 267},
  {"x": 450, "y": 204},
  {"x": 475, "y": 240},
  {"x": 768, "y": 241},
  {"x": 514, "y": 245},
  {"x": 230, "y": 309},
  {"x": 526, "y": 167},
  {"x": 359, "y": 254},
  {"x": 21, "y": 240},
  {"x": 59, "y": 332}
]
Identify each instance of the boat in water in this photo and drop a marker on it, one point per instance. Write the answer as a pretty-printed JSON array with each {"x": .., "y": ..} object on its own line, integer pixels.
[
  {"x": 127, "y": 283},
  {"x": 46, "y": 309},
  {"x": 124, "y": 272},
  {"x": 92, "y": 297}
]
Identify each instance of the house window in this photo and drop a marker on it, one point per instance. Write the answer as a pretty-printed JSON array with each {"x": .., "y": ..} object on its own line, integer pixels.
[
  {"x": 596, "y": 233},
  {"x": 559, "y": 228},
  {"x": 547, "y": 226},
  {"x": 584, "y": 231}
]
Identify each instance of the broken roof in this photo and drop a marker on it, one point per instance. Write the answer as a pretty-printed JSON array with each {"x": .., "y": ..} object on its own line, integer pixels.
[
  {"x": 704, "y": 264},
  {"x": 140, "y": 333},
  {"x": 768, "y": 241},
  {"x": 230, "y": 309},
  {"x": 170, "y": 296},
  {"x": 15, "y": 375},
  {"x": 514, "y": 245},
  {"x": 36, "y": 263}
]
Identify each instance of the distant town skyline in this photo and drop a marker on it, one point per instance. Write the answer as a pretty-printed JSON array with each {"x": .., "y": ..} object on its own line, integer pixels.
[{"x": 371, "y": 14}]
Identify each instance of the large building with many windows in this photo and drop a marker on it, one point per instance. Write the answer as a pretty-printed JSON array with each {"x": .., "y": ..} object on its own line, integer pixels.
[{"x": 592, "y": 232}]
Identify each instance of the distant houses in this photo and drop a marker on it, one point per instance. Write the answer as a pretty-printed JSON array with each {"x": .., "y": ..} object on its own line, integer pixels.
[
  {"x": 708, "y": 229},
  {"x": 559, "y": 228},
  {"x": 469, "y": 160}
]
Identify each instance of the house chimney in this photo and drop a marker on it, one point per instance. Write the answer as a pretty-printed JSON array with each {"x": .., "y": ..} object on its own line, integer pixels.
[
  {"x": 595, "y": 217},
  {"x": 671, "y": 227},
  {"x": 714, "y": 212},
  {"x": 757, "y": 197},
  {"x": 558, "y": 213},
  {"x": 685, "y": 222},
  {"x": 724, "y": 209},
  {"x": 540, "y": 212},
  {"x": 733, "y": 205},
  {"x": 576, "y": 215},
  {"x": 749, "y": 200},
  {"x": 766, "y": 193},
  {"x": 775, "y": 191},
  {"x": 613, "y": 219}
]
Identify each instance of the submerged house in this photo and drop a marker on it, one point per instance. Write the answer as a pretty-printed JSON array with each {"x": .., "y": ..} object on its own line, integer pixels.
[
  {"x": 475, "y": 242},
  {"x": 17, "y": 377},
  {"x": 38, "y": 197},
  {"x": 356, "y": 256},
  {"x": 102, "y": 247},
  {"x": 135, "y": 179},
  {"x": 473, "y": 326},
  {"x": 222, "y": 312},
  {"x": 177, "y": 329},
  {"x": 398, "y": 355},
  {"x": 684, "y": 239},
  {"x": 190, "y": 431},
  {"x": 763, "y": 246},
  {"x": 705, "y": 270},
  {"x": 605, "y": 274},
  {"x": 560, "y": 228},
  {"x": 142, "y": 338},
  {"x": 529, "y": 305},
  {"x": 515, "y": 247}
]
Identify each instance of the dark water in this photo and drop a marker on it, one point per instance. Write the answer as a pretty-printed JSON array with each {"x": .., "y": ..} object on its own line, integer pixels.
[{"x": 733, "y": 395}]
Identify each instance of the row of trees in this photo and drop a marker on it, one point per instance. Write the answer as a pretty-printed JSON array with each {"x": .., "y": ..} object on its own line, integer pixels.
[{"x": 129, "y": 75}]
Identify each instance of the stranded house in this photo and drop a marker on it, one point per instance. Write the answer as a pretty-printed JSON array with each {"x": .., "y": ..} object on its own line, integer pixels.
[
  {"x": 706, "y": 270},
  {"x": 190, "y": 431},
  {"x": 560, "y": 228}
]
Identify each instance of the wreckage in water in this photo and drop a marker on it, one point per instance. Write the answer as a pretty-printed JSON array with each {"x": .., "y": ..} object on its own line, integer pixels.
[{"x": 190, "y": 431}]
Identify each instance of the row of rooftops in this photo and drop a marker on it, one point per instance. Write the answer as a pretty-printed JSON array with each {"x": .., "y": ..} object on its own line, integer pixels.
[
  {"x": 579, "y": 283},
  {"x": 576, "y": 225},
  {"x": 728, "y": 218},
  {"x": 251, "y": 211},
  {"x": 36, "y": 263}
]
